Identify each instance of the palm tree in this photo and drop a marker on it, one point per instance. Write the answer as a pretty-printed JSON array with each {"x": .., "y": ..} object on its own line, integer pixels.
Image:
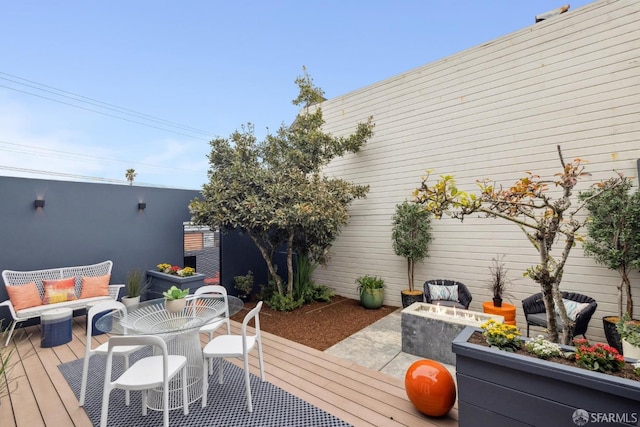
[{"x": 130, "y": 174}]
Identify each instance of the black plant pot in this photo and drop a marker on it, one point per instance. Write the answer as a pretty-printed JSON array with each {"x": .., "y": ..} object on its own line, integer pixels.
[
  {"x": 408, "y": 299},
  {"x": 611, "y": 332},
  {"x": 497, "y": 302}
]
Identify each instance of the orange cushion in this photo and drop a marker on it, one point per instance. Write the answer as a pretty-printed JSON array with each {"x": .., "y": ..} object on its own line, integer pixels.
[
  {"x": 59, "y": 290},
  {"x": 97, "y": 286},
  {"x": 24, "y": 296}
]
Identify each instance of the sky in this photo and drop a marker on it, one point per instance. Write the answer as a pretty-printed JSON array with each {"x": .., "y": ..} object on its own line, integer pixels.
[{"x": 90, "y": 89}]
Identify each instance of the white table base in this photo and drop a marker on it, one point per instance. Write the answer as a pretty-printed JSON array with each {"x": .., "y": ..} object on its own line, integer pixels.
[{"x": 185, "y": 344}]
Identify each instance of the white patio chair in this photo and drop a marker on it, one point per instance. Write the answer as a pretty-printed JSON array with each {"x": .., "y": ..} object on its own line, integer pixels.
[
  {"x": 224, "y": 346},
  {"x": 147, "y": 373},
  {"x": 104, "y": 347},
  {"x": 214, "y": 291}
]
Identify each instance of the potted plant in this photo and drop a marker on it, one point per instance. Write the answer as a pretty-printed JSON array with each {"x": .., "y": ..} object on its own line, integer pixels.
[
  {"x": 371, "y": 290},
  {"x": 629, "y": 331},
  {"x": 411, "y": 235},
  {"x": 136, "y": 285},
  {"x": 498, "y": 283},
  {"x": 175, "y": 299},
  {"x": 613, "y": 240},
  {"x": 244, "y": 285}
]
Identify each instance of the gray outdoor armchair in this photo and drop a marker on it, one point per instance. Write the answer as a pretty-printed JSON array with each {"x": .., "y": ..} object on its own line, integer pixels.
[
  {"x": 448, "y": 293},
  {"x": 536, "y": 315}
]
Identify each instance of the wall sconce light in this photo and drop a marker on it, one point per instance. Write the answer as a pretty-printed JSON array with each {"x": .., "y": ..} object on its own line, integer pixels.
[
  {"x": 142, "y": 206},
  {"x": 38, "y": 203}
]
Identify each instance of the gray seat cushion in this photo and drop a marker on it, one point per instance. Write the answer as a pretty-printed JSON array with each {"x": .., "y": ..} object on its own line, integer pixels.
[{"x": 540, "y": 319}]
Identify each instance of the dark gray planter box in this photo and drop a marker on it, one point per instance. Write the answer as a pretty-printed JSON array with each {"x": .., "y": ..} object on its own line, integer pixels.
[
  {"x": 160, "y": 282},
  {"x": 498, "y": 388}
]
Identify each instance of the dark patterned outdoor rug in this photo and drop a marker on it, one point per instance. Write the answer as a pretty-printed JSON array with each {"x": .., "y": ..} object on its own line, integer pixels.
[{"x": 226, "y": 406}]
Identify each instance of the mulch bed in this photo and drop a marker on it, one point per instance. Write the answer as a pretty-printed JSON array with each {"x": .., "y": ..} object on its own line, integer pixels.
[{"x": 319, "y": 324}]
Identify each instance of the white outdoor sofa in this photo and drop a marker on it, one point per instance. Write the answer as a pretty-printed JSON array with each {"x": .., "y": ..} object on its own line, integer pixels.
[{"x": 19, "y": 278}]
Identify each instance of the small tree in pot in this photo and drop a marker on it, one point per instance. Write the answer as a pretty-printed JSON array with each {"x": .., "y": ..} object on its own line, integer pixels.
[
  {"x": 613, "y": 240},
  {"x": 498, "y": 283},
  {"x": 411, "y": 236}
]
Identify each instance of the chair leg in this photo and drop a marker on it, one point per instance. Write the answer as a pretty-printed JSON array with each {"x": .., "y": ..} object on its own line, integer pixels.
[
  {"x": 247, "y": 383},
  {"x": 220, "y": 373},
  {"x": 127, "y": 398},
  {"x": 185, "y": 392},
  {"x": 260, "y": 360},
  {"x": 145, "y": 397},
  {"x": 105, "y": 407},
  {"x": 165, "y": 406},
  {"x": 205, "y": 380},
  {"x": 527, "y": 330},
  {"x": 85, "y": 373},
  {"x": 10, "y": 333}
]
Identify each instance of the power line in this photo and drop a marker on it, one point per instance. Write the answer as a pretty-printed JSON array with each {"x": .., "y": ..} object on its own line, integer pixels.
[
  {"x": 60, "y": 154},
  {"x": 99, "y": 112},
  {"x": 98, "y": 103},
  {"x": 85, "y": 103},
  {"x": 80, "y": 177},
  {"x": 106, "y": 106},
  {"x": 63, "y": 174}
]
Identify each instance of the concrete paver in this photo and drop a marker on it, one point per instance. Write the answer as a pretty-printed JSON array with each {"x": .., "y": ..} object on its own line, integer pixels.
[{"x": 379, "y": 347}]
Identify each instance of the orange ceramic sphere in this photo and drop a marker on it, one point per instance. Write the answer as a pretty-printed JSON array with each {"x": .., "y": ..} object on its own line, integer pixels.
[{"x": 430, "y": 387}]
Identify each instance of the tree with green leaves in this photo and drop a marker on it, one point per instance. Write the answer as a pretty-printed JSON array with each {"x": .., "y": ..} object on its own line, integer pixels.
[
  {"x": 411, "y": 235},
  {"x": 613, "y": 238},
  {"x": 274, "y": 190},
  {"x": 130, "y": 174},
  {"x": 542, "y": 219}
]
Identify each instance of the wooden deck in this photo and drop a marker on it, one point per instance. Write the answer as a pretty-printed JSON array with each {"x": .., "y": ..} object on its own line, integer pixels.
[{"x": 357, "y": 395}]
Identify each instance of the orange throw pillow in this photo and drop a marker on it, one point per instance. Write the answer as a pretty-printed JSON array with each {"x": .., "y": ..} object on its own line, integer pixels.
[
  {"x": 97, "y": 286},
  {"x": 24, "y": 296},
  {"x": 59, "y": 290}
]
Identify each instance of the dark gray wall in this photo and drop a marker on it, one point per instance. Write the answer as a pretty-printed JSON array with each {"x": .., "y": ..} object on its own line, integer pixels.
[
  {"x": 239, "y": 255},
  {"x": 85, "y": 223}
]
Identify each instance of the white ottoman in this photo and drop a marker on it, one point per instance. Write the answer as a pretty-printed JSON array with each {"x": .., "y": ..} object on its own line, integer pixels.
[{"x": 56, "y": 327}]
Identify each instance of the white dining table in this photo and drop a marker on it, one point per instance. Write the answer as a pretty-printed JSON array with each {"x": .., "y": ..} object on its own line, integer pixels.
[{"x": 180, "y": 331}]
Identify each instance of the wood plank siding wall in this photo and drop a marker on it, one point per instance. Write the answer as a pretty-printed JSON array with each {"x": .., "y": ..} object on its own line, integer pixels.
[{"x": 494, "y": 111}]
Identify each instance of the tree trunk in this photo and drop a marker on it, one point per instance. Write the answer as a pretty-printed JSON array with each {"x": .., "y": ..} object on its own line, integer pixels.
[
  {"x": 290, "y": 264},
  {"x": 547, "y": 297},
  {"x": 410, "y": 272},
  {"x": 626, "y": 283},
  {"x": 567, "y": 324},
  {"x": 268, "y": 259}
]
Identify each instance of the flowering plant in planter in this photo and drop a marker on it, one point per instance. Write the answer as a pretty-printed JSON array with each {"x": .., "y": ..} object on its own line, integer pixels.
[
  {"x": 543, "y": 348},
  {"x": 175, "y": 270},
  {"x": 598, "y": 357},
  {"x": 501, "y": 335}
]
